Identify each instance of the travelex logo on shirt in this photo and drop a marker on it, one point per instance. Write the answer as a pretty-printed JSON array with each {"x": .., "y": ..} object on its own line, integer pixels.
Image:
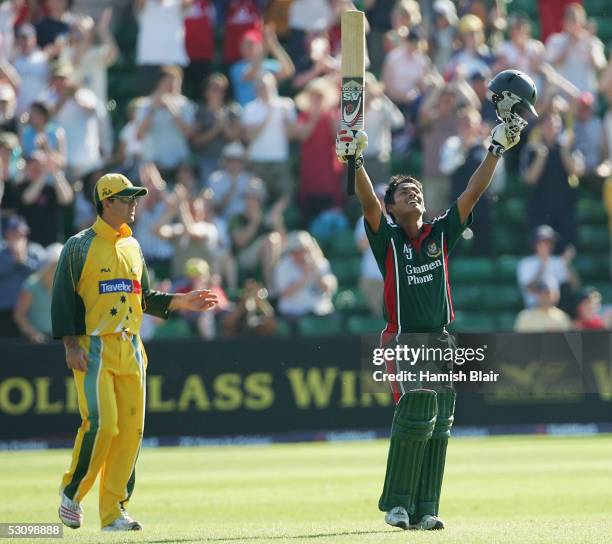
[{"x": 119, "y": 285}]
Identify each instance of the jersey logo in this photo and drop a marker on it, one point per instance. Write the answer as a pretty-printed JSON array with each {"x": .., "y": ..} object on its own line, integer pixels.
[
  {"x": 407, "y": 252},
  {"x": 105, "y": 270},
  {"x": 433, "y": 250},
  {"x": 119, "y": 285}
]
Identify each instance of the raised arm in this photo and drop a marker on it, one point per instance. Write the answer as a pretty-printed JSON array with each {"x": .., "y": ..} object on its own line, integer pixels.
[{"x": 354, "y": 142}]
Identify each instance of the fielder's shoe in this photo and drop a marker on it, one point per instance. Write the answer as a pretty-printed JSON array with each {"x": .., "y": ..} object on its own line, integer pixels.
[
  {"x": 398, "y": 517},
  {"x": 123, "y": 523},
  {"x": 428, "y": 523},
  {"x": 70, "y": 512}
]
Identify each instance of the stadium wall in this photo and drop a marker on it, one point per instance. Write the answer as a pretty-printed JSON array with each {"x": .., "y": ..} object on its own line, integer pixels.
[{"x": 309, "y": 388}]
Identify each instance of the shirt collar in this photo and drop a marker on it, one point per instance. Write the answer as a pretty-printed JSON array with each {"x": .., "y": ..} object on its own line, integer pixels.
[{"x": 107, "y": 232}]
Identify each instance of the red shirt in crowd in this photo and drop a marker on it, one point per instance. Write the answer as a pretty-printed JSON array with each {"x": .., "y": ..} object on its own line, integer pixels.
[
  {"x": 322, "y": 176},
  {"x": 240, "y": 17},
  {"x": 200, "y": 30},
  {"x": 551, "y": 16}
]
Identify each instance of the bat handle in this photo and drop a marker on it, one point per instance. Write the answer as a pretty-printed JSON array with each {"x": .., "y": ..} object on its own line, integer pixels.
[{"x": 350, "y": 189}]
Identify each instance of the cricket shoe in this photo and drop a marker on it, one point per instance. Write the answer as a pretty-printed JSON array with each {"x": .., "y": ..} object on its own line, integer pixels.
[
  {"x": 398, "y": 517},
  {"x": 428, "y": 523},
  {"x": 70, "y": 512},
  {"x": 123, "y": 523}
]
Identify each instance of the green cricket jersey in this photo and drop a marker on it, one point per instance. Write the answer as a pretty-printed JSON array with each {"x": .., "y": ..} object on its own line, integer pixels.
[{"x": 417, "y": 289}]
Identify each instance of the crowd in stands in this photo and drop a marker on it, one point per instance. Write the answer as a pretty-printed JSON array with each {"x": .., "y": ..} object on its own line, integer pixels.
[{"x": 232, "y": 131}]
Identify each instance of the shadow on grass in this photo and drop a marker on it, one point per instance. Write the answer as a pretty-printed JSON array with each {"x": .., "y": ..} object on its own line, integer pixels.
[{"x": 266, "y": 538}]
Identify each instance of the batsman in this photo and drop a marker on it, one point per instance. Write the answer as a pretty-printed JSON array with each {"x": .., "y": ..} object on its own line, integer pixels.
[{"x": 412, "y": 255}]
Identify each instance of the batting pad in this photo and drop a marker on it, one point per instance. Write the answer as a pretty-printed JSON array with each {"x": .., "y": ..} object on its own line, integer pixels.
[
  {"x": 432, "y": 472},
  {"x": 413, "y": 424}
]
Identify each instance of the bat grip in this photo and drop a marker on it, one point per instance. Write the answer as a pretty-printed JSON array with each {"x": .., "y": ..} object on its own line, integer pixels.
[{"x": 350, "y": 189}]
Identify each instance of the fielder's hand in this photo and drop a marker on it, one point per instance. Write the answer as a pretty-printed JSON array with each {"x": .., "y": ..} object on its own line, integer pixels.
[
  {"x": 502, "y": 140},
  {"x": 350, "y": 142}
]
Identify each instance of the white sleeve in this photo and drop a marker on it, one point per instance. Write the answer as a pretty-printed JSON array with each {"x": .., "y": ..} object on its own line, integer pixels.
[{"x": 451, "y": 155}]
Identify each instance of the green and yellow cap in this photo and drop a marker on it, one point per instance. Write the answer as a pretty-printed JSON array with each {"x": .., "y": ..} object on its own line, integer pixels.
[{"x": 116, "y": 185}]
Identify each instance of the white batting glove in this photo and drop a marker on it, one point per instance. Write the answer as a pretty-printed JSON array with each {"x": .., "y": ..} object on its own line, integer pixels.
[
  {"x": 350, "y": 142},
  {"x": 502, "y": 140}
]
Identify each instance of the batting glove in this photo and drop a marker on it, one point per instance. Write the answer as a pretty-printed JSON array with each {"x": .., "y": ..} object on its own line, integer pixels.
[
  {"x": 350, "y": 142},
  {"x": 502, "y": 140}
]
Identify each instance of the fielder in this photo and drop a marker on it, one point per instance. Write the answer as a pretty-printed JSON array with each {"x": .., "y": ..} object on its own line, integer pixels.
[
  {"x": 413, "y": 258},
  {"x": 100, "y": 291}
]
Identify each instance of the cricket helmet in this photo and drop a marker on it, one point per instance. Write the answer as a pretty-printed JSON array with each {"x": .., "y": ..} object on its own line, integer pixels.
[{"x": 513, "y": 93}]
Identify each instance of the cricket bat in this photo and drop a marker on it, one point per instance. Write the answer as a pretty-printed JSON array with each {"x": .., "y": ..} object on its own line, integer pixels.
[{"x": 353, "y": 73}]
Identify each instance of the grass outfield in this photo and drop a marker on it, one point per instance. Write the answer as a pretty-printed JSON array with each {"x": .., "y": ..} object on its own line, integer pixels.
[{"x": 525, "y": 490}]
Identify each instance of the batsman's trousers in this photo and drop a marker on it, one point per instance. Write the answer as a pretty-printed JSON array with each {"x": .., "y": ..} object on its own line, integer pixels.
[{"x": 111, "y": 396}]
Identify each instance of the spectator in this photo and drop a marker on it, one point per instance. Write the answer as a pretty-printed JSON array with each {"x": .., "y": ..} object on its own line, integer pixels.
[
  {"x": 8, "y": 103},
  {"x": 165, "y": 123},
  {"x": 32, "y": 65},
  {"x": 216, "y": 124},
  {"x": 473, "y": 54},
  {"x": 90, "y": 60},
  {"x": 517, "y": 52},
  {"x": 478, "y": 81},
  {"x": 277, "y": 14},
  {"x": 383, "y": 117},
  {"x": 241, "y": 17},
  {"x": 130, "y": 148},
  {"x": 44, "y": 193},
  {"x": 444, "y": 33},
  {"x": 253, "y": 315},
  {"x": 193, "y": 235},
  {"x": 334, "y": 31},
  {"x": 10, "y": 173},
  {"x": 161, "y": 38},
  {"x": 269, "y": 122},
  {"x": 258, "y": 239},
  {"x": 197, "y": 275},
  {"x": 405, "y": 16},
  {"x": 547, "y": 164},
  {"x": 587, "y": 311},
  {"x": 551, "y": 16},
  {"x": 39, "y": 133},
  {"x": 317, "y": 63},
  {"x": 253, "y": 64},
  {"x": 76, "y": 111},
  {"x": 438, "y": 122},
  {"x": 370, "y": 279},
  {"x": 379, "y": 15},
  {"x": 545, "y": 316},
  {"x": 18, "y": 259},
  {"x": 589, "y": 138},
  {"x": 575, "y": 52},
  {"x": 230, "y": 184},
  {"x": 306, "y": 16},
  {"x": 320, "y": 179},
  {"x": 459, "y": 157},
  {"x": 157, "y": 252},
  {"x": 33, "y": 310},
  {"x": 224, "y": 263},
  {"x": 200, "y": 44},
  {"x": 543, "y": 263},
  {"x": 9, "y": 12},
  {"x": 304, "y": 282},
  {"x": 405, "y": 71},
  {"x": 55, "y": 25}
]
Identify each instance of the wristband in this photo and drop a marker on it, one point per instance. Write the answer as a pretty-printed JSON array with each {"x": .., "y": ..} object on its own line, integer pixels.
[{"x": 359, "y": 162}]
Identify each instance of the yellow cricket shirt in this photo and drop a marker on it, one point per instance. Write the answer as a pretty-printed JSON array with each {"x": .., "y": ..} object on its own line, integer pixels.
[{"x": 101, "y": 285}]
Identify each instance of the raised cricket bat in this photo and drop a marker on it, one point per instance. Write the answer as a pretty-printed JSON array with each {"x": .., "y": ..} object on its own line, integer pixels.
[{"x": 353, "y": 73}]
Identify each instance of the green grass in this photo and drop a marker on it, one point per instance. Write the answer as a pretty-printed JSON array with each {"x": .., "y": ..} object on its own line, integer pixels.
[{"x": 510, "y": 490}]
